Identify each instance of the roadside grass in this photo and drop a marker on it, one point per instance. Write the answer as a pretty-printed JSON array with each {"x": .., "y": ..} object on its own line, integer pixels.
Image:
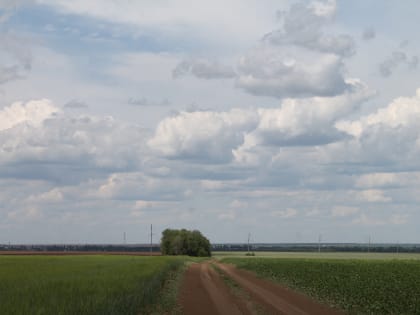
[
  {"x": 87, "y": 284},
  {"x": 353, "y": 285}
]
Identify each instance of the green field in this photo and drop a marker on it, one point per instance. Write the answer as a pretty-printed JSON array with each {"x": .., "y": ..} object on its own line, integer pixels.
[
  {"x": 322, "y": 255},
  {"x": 354, "y": 285},
  {"x": 83, "y": 284}
]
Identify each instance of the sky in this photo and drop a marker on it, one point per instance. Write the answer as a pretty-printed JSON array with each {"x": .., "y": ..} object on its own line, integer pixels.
[{"x": 283, "y": 119}]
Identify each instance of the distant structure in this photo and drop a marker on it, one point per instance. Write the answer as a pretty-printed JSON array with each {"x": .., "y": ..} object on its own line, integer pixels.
[{"x": 151, "y": 238}]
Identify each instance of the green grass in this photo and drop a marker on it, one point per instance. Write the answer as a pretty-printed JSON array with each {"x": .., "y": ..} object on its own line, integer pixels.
[
  {"x": 82, "y": 284},
  {"x": 356, "y": 286},
  {"x": 326, "y": 255}
]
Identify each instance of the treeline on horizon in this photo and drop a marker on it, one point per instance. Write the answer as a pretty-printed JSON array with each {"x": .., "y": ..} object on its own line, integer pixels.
[{"x": 377, "y": 248}]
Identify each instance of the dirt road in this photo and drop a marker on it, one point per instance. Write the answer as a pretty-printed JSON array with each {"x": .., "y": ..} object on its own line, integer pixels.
[{"x": 223, "y": 289}]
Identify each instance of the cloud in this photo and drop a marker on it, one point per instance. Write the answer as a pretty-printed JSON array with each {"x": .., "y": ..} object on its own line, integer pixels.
[
  {"x": 33, "y": 113},
  {"x": 395, "y": 219},
  {"x": 203, "y": 69},
  {"x": 303, "y": 26},
  {"x": 374, "y": 195},
  {"x": 286, "y": 214},
  {"x": 202, "y": 136},
  {"x": 37, "y": 140},
  {"x": 15, "y": 57},
  {"x": 280, "y": 73},
  {"x": 282, "y": 64},
  {"x": 147, "y": 102},
  {"x": 393, "y": 62},
  {"x": 75, "y": 104},
  {"x": 344, "y": 211},
  {"x": 368, "y": 33}
]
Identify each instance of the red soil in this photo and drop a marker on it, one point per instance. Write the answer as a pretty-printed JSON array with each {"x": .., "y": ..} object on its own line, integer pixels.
[{"x": 204, "y": 292}]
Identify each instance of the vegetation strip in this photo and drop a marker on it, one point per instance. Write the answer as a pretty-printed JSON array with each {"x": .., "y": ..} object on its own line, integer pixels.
[{"x": 356, "y": 286}]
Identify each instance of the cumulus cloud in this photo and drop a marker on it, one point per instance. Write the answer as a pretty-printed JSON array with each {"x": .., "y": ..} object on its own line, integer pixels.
[
  {"x": 203, "y": 69},
  {"x": 303, "y": 26},
  {"x": 204, "y": 135},
  {"x": 273, "y": 71},
  {"x": 64, "y": 147},
  {"x": 282, "y": 64},
  {"x": 209, "y": 136},
  {"x": 388, "y": 139}
]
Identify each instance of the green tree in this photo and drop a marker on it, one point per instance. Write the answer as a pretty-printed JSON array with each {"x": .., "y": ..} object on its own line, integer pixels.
[{"x": 184, "y": 242}]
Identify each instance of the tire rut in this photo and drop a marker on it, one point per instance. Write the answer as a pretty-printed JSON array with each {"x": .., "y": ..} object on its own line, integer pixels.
[{"x": 205, "y": 292}]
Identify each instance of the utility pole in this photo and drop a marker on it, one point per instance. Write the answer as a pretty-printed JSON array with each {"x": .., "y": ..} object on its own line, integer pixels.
[
  {"x": 319, "y": 242},
  {"x": 125, "y": 238},
  {"x": 151, "y": 239},
  {"x": 249, "y": 237},
  {"x": 369, "y": 245}
]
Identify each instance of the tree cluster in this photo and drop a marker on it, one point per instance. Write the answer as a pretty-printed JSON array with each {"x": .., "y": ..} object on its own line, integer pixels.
[{"x": 184, "y": 242}]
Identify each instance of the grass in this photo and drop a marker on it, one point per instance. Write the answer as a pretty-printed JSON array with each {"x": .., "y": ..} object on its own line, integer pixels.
[
  {"x": 84, "y": 284},
  {"x": 354, "y": 285},
  {"x": 325, "y": 255}
]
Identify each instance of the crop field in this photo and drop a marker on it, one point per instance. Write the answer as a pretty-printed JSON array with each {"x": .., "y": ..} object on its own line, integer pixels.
[
  {"x": 82, "y": 284},
  {"x": 356, "y": 286}
]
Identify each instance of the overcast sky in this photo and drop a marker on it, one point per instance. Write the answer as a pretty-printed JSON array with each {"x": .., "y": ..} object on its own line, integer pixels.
[{"x": 285, "y": 119}]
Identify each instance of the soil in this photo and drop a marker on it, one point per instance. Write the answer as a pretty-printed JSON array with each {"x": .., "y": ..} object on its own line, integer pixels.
[
  {"x": 62, "y": 253},
  {"x": 204, "y": 292}
]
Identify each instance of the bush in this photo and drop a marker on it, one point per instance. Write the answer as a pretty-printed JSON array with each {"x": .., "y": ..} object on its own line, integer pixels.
[{"x": 184, "y": 242}]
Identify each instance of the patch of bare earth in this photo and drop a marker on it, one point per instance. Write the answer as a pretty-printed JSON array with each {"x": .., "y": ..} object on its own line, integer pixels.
[{"x": 204, "y": 292}]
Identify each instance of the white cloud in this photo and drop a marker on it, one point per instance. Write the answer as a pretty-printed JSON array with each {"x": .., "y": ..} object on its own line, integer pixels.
[
  {"x": 65, "y": 147},
  {"x": 374, "y": 195},
  {"x": 33, "y": 113},
  {"x": 206, "y": 136},
  {"x": 395, "y": 219},
  {"x": 288, "y": 213},
  {"x": 344, "y": 211}
]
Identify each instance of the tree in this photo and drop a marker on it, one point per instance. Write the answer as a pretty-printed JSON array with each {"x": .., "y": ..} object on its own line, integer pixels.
[{"x": 184, "y": 242}]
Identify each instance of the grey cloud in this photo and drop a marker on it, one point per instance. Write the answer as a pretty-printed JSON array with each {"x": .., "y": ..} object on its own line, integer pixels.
[
  {"x": 147, "y": 102},
  {"x": 272, "y": 71},
  {"x": 303, "y": 26},
  {"x": 369, "y": 33},
  {"x": 282, "y": 65},
  {"x": 76, "y": 104},
  {"x": 15, "y": 58},
  {"x": 203, "y": 69},
  {"x": 66, "y": 148},
  {"x": 397, "y": 58}
]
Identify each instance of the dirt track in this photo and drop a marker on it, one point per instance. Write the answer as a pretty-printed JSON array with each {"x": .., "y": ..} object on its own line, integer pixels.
[{"x": 205, "y": 292}]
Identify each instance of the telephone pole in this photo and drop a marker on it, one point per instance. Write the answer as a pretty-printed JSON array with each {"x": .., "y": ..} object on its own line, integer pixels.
[
  {"x": 319, "y": 242},
  {"x": 151, "y": 239},
  {"x": 249, "y": 237}
]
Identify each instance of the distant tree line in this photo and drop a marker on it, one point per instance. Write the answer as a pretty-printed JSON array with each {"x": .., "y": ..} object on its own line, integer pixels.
[{"x": 184, "y": 242}]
